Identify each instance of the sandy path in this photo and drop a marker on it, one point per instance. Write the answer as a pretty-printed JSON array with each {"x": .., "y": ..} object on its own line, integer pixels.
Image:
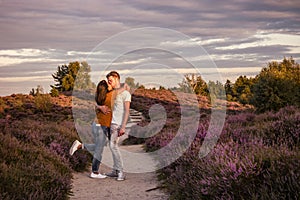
[{"x": 134, "y": 187}]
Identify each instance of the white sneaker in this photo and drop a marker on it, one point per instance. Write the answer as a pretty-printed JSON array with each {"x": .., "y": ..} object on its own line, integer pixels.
[
  {"x": 121, "y": 176},
  {"x": 93, "y": 175},
  {"x": 113, "y": 173},
  {"x": 74, "y": 147}
]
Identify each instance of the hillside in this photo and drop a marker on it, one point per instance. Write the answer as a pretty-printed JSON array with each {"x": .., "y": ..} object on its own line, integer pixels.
[{"x": 37, "y": 131}]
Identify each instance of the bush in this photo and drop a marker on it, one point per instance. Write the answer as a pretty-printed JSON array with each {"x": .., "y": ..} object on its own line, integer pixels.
[
  {"x": 34, "y": 147},
  {"x": 234, "y": 172},
  {"x": 256, "y": 157},
  {"x": 30, "y": 172},
  {"x": 43, "y": 102},
  {"x": 54, "y": 92}
]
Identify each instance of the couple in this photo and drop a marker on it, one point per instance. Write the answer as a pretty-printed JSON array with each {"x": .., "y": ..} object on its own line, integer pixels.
[{"x": 108, "y": 124}]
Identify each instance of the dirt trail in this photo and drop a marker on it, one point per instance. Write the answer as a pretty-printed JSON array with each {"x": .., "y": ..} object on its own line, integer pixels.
[{"x": 135, "y": 185}]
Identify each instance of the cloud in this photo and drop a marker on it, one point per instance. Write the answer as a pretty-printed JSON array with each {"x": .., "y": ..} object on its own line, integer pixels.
[
  {"x": 21, "y": 56},
  {"x": 268, "y": 39},
  {"x": 24, "y": 79},
  {"x": 37, "y": 36}
]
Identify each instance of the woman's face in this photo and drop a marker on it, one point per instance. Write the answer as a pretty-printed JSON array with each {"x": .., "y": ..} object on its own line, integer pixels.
[{"x": 109, "y": 88}]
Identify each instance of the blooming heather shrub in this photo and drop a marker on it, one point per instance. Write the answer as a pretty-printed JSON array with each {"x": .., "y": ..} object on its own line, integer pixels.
[
  {"x": 252, "y": 171},
  {"x": 256, "y": 157},
  {"x": 57, "y": 137},
  {"x": 35, "y": 159},
  {"x": 34, "y": 148},
  {"x": 30, "y": 172}
]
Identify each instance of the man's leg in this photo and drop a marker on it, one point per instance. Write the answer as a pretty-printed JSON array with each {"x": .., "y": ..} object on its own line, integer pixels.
[{"x": 114, "y": 147}]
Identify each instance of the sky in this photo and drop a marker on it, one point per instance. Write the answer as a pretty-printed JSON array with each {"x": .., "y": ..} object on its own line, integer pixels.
[{"x": 155, "y": 42}]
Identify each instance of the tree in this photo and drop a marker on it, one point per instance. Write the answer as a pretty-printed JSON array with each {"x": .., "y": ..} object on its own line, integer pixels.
[
  {"x": 242, "y": 89},
  {"x": 58, "y": 76},
  {"x": 130, "y": 82},
  {"x": 229, "y": 91},
  {"x": 69, "y": 75},
  {"x": 277, "y": 85},
  {"x": 54, "y": 92},
  {"x": 37, "y": 91},
  {"x": 83, "y": 78},
  {"x": 193, "y": 83},
  {"x": 216, "y": 90}
]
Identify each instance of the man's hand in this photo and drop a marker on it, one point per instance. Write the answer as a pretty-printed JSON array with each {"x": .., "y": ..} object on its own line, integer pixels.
[
  {"x": 104, "y": 109},
  {"x": 121, "y": 132}
]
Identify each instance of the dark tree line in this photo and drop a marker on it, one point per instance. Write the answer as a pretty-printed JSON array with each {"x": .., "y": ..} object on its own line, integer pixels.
[{"x": 276, "y": 86}]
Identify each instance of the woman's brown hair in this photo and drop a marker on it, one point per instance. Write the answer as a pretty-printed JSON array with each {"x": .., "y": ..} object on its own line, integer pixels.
[{"x": 102, "y": 89}]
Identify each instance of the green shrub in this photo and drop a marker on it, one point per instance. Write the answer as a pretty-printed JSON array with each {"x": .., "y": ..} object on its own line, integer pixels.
[
  {"x": 43, "y": 102},
  {"x": 54, "y": 92}
]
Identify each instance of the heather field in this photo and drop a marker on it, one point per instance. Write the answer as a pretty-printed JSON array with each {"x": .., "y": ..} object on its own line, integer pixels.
[
  {"x": 36, "y": 133},
  {"x": 256, "y": 157}
]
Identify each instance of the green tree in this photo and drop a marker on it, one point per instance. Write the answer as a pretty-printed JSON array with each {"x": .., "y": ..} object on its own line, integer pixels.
[
  {"x": 54, "y": 92},
  {"x": 37, "y": 91},
  {"x": 130, "y": 82},
  {"x": 193, "y": 83},
  {"x": 58, "y": 76},
  {"x": 74, "y": 73},
  {"x": 83, "y": 78},
  {"x": 277, "y": 85},
  {"x": 229, "y": 91},
  {"x": 242, "y": 89},
  {"x": 216, "y": 90}
]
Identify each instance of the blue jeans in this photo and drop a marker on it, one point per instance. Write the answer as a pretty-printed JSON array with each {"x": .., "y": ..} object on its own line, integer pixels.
[{"x": 100, "y": 134}]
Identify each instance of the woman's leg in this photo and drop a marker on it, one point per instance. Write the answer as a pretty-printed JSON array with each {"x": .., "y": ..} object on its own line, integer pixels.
[
  {"x": 92, "y": 147},
  {"x": 99, "y": 146}
]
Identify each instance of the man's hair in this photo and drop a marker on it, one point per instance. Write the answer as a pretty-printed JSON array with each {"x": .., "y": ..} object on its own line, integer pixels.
[{"x": 114, "y": 74}]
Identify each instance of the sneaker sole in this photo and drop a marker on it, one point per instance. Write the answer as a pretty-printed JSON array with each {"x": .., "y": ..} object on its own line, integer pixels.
[
  {"x": 112, "y": 176},
  {"x": 123, "y": 179},
  {"x": 72, "y": 151},
  {"x": 98, "y": 177}
]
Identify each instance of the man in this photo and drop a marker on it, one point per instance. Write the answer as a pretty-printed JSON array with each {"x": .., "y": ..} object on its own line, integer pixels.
[{"x": 120, "y": 116}]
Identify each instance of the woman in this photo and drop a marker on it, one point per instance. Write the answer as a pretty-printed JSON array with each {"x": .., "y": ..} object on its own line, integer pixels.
[{"x": 100, "y": 128}]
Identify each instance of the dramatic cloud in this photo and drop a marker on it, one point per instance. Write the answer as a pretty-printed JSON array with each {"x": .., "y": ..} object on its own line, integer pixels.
[{"x": 37, "y": 36}]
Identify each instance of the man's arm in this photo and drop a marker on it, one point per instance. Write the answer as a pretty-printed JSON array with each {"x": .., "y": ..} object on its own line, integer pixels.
[{"x": 125, "y": 117}]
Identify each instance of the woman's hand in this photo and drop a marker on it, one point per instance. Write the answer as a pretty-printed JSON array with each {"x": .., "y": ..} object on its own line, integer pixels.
[
  {"x": 126, "y": 87},
  {"x": 104, "y": 109}
]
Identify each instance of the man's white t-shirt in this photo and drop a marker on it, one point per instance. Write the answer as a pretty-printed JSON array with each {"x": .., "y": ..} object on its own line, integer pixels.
[{"x": 118, "y": 110}]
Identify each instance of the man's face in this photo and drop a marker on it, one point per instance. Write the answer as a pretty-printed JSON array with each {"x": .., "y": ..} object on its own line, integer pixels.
[{"x": 112, "y": 81}]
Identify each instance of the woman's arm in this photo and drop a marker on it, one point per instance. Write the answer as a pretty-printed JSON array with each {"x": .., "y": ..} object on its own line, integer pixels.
[
  {"x": 104, "y": 109},
  {"x": 124, "y": 86}
]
